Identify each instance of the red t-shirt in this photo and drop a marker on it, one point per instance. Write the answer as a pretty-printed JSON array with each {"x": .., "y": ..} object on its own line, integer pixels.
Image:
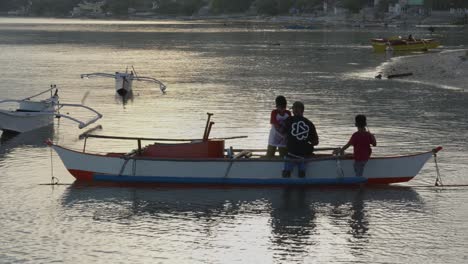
[{"x": 361, "y": 142}]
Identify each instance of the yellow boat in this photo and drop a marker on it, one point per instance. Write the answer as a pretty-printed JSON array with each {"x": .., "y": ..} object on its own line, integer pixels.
[{"x": 399, "y": 44}]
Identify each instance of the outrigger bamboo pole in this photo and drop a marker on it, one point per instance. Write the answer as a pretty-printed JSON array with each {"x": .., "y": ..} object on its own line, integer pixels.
[
  {"x": 156, "y": 139},
  {"x": 139, "y": 139}
]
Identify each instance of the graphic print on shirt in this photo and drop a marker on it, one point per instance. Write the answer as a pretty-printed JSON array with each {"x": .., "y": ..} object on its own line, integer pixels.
[{"x": 300, "y": 130}]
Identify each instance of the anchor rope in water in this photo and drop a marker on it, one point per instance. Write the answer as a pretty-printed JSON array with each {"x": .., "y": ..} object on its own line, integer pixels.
[
  {"x": 53, "y": 179},
  {"x": 446, "y": 185},
  {"x": 438, "y": 181}
]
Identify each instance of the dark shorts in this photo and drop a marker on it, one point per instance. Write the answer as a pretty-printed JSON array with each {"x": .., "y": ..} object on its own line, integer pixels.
[{"x": 291, "y": 161}]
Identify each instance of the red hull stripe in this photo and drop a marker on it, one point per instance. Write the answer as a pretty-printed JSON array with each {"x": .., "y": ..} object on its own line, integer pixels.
[
  {"x": 81, "y": 175},
  {"x": 388, "y": 180},
  {"x": 88, "y": 176}
]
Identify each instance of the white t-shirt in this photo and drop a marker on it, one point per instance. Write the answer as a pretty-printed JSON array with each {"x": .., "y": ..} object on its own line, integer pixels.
[{"x": 276, "y": 138}]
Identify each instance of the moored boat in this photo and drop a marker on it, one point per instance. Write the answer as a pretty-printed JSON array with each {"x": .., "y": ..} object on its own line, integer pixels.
[
  {"x": 124, "y": 80},
  {"x": 400, "y": 44},
  {"x": 33, "y": 114},
  {"x": 206, "y": 161},
  {"x": 114, "y": 167}
]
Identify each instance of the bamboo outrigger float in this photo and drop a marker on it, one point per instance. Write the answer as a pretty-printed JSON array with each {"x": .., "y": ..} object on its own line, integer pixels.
[{"x": 206, "y": 161}]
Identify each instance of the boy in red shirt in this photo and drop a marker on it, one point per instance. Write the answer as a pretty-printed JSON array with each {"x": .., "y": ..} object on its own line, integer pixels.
[{"x": 361, "y": 142}]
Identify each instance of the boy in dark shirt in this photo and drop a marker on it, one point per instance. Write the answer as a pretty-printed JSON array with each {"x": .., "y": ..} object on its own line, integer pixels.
[
  {"x": 361, "y": 142},
  {"x": 301, "y": 139}
]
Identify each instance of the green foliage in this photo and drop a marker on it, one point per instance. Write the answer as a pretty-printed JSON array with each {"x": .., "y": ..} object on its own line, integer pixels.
[
  {"x": 230, "y": 6},
  {"x": 308, "y": 5},
  {"x": 52, "y": 7},
  {"x": 284, "y": 6},
  {"x": 118, "y": 7},
  {"x": 179, "y": 7},
  {"x": 354, "y": 5},
  {"x": 168, "y": 7},
  {"x": 382, "y": 7},
  {"x": 8, "y": 5},
  {"x": 189, "y": 7},
  {"x": 268, "y": 7}
]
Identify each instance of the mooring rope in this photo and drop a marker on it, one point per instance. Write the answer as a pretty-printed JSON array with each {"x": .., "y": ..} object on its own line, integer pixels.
[
  {"x": 438, "y": 181},
  {"x": 432, "y": 186},
  {"x": 339, "y": 169},
  {"x": 53, "y": 179}
]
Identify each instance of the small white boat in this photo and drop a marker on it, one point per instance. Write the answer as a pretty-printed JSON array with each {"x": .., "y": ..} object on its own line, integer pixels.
[
  {"x": 33, "y": 114},
  {"x": 124, "y": 80},
  {"x": 206, "y": 161}
]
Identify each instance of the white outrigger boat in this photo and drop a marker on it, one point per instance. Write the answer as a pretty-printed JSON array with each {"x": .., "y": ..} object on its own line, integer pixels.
[
  {"x": 33, "y": 114},
  {"x": 206, "y": 161},
  {"x": 124, "y": 80}
]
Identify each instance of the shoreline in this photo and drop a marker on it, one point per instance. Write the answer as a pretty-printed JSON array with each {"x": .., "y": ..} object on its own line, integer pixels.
[
  {"x": 445, "y": 69},
  {"x": 303, "y": 20}
]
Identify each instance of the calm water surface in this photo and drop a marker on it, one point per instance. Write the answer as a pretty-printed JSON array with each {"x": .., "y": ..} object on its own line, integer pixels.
[{"x": 235, "y": 71}]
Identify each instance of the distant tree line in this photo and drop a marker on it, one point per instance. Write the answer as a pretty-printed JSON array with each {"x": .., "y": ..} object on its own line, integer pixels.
[{"x": 189, "y": 7}]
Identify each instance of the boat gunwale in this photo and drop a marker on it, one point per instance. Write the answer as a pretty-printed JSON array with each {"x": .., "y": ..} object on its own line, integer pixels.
[{"x": 233, "y": 160}]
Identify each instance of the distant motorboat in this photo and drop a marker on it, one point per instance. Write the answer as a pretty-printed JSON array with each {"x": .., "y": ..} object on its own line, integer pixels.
[
  {"x": 400, "y": 44},
  {"x": 30, "y": 114},
  {"x": 124, "y": 80}
]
